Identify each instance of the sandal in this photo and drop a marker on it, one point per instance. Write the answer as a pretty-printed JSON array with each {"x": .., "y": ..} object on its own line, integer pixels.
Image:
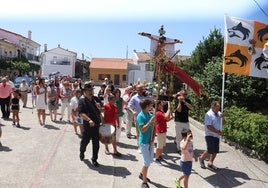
[{"x": 213, "y": 167}]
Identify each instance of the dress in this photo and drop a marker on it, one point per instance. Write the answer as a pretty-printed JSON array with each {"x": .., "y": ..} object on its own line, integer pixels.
[
  {"x": 52, "y": 105},
  {"x": 40, "y": 99},
  {"x": 15, "y": 104}
]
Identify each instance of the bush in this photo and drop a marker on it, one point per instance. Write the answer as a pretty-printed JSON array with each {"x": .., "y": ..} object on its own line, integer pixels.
[{"x": 247, "y": 129}]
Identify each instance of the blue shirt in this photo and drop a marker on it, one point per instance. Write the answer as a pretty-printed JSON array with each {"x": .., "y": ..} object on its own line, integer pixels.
[
  {"x": 213, "y": 119},
  {"x": 142, "y": 119}
]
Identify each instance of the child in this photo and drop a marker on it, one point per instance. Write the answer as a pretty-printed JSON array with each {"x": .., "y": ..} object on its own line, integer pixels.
[
  {"x": 15, "y": 107},
  {"x": 161, "y": 129},
  {"x": 187, "y": 156},
  {"x": 111, "y": 117}
]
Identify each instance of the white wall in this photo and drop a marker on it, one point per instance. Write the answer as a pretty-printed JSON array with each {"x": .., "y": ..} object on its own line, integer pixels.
[{"x": 57, "y": 55}]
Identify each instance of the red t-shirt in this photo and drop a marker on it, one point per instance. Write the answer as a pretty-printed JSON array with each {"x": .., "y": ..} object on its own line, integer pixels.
[
  {"x": 110, "y": 114},
  {"x": 161, "y": 123}
]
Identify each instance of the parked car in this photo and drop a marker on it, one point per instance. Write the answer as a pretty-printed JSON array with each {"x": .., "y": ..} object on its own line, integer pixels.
[{"x": 17, "y": 81}]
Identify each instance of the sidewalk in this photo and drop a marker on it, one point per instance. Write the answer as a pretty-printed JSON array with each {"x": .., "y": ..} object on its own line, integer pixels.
[{"x": 48, "y": 157}]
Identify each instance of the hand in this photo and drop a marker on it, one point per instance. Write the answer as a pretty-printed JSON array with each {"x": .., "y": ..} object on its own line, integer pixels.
[{"x": 91, "y": 123}]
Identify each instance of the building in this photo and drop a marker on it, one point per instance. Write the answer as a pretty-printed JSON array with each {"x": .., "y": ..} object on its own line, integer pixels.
[
  {"x": 58, "y": 59},
  {"x": 142, "y": 70},
  {"x": 15, "y": 46},
  {"x": 114, "y": 69}
]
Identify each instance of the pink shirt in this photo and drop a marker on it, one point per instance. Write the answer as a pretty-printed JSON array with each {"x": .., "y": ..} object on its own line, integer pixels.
[
  {"x": 5, "y": 91},
  {"x": 187, "y": 153}
]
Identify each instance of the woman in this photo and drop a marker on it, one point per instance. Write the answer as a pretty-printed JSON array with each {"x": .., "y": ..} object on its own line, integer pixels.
[
  {"x": 145, "y": 122},
  {"x": 52, "y": 97},
  {"x": 41, "y": 102}
]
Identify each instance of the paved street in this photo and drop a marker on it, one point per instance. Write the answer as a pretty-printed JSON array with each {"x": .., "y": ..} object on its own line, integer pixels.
[{"x": 48, "y": 157}]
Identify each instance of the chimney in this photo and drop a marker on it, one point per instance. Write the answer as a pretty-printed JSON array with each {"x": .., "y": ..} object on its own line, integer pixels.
[
  {"x": 45, "y": 48},
  {"x": 30, "y": 34}
]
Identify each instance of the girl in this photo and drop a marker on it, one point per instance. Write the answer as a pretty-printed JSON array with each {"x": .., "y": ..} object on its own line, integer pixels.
[
  {"x": 52, "y": 101},
  {"x": 187, "y": 155},
  {"x": 15, "y": 107}
]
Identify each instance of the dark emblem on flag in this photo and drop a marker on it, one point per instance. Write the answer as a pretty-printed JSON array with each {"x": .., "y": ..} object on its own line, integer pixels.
[
  {"x": 237, "y": 55},
  {"x": 239, "y": 31},
  {"x": 260, "y": 60},
  {"x": 262, "y": 32}
]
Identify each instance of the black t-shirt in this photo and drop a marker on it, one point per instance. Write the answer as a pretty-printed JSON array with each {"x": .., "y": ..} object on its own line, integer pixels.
[
  {"x": 182, "y": 116},
  {"x": 90, "y": 109}
]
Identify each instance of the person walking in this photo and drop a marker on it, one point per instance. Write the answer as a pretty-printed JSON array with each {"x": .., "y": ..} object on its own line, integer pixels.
[
  {"x": 187, "y": 151},
  {"x": 15, "y": 107},
  {"x": 145, "y": 122},
  {"x": 66, "y": 95},
  {"x": 183, "y": 105},
  {"x": 5, "y": 96},
  {"x": 77, "y": 121},
  {"x": 161, "y": 129},
  {"x": 111, "y": 117},
  {"x": 213, "y": 124},
  {"x": 24, "y": 89},
  {"x": 41, "y": 100},
  {"x": 52, "y": 97},
  {"x": 91, "y": 115}
]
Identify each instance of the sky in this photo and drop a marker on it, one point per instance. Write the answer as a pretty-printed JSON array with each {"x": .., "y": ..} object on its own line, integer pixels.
[{"x": 109, "y": 28}]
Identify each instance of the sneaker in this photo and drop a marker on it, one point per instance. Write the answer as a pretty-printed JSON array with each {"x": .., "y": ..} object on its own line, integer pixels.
[
  {"x": 144, "y": 185},
  {"x": 202, "y": 163},
  {"x": 139, "y": 150},
  {"x": 141, "y": 177},
  {"x": 82, "y": 156},
  {"x": 95, "y": 163},
  {"x": 18, "y": 125},
  {"x": 178, "y": 183}
]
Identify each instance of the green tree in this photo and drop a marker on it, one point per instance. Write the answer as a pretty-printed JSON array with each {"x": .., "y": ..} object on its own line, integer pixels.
[{"x": 210, "y": 47}]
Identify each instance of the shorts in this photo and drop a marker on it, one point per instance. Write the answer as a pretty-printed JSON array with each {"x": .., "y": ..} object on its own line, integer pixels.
[
  {"x": 186, "y": 167},
  {"x": 161, "y": 140},
  {"x": 212, "y": 144},
  {"x": 147, "y": 152}
]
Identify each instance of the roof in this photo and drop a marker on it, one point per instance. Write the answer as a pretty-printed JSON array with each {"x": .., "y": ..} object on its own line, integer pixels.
[
  {"x": 19, "y": 36},
  {"x": 143, "y": 56},
  {"x": 110, "y": 63}
]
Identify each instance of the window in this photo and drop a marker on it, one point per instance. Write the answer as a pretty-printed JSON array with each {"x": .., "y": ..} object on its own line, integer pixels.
[
  {"x": 124, "y": 77},
  {"x": 102, "y": 76},
  {"x": 148, "y": 67}
]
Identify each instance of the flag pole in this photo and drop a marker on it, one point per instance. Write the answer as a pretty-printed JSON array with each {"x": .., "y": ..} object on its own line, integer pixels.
[{"x": 222, "y": 91}]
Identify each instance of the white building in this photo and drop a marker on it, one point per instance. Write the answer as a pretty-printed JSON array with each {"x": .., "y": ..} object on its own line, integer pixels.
[
  {"x": 141, "y": 70},
  {"x": 58, "y": 60}
]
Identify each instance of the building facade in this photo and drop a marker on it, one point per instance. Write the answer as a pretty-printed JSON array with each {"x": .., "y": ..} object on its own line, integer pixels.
[{"x": 58, "y": 60}]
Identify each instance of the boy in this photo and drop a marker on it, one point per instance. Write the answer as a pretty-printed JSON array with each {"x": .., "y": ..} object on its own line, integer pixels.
[{"x": 187, "y": 155}]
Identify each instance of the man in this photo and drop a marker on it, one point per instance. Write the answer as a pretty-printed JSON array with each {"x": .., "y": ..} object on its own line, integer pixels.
[
  {"x": 5, "y": 96},
  {"x": 24, "y": 88},
  {"x": 183, "y": 105},
  {"x": 212, "y": 135},
  {"x": 91, "y": 115},
  {"x": 134, "y": 107}
]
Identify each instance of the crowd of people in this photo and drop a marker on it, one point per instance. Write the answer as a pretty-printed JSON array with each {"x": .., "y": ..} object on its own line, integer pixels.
[{"x": 134, "y": 108}]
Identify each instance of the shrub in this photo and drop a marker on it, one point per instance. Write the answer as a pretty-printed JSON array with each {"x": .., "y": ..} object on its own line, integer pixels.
[{"x": 247, "y": 129}]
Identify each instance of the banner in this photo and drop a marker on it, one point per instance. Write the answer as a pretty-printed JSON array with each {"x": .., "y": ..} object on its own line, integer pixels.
[
  {"x": 245, "y": 47},
  {"x": 183, "y": 76}
]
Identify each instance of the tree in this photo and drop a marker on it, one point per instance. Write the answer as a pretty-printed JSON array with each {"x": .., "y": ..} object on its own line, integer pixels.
[{"x": 210, "y": 47}]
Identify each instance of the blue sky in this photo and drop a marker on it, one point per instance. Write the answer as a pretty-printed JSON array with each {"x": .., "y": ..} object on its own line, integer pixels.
[{"x": 108, "y": 28}]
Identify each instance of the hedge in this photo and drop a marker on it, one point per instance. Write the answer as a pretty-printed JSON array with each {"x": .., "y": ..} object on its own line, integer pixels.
[{"x": 247, "y": 129}]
